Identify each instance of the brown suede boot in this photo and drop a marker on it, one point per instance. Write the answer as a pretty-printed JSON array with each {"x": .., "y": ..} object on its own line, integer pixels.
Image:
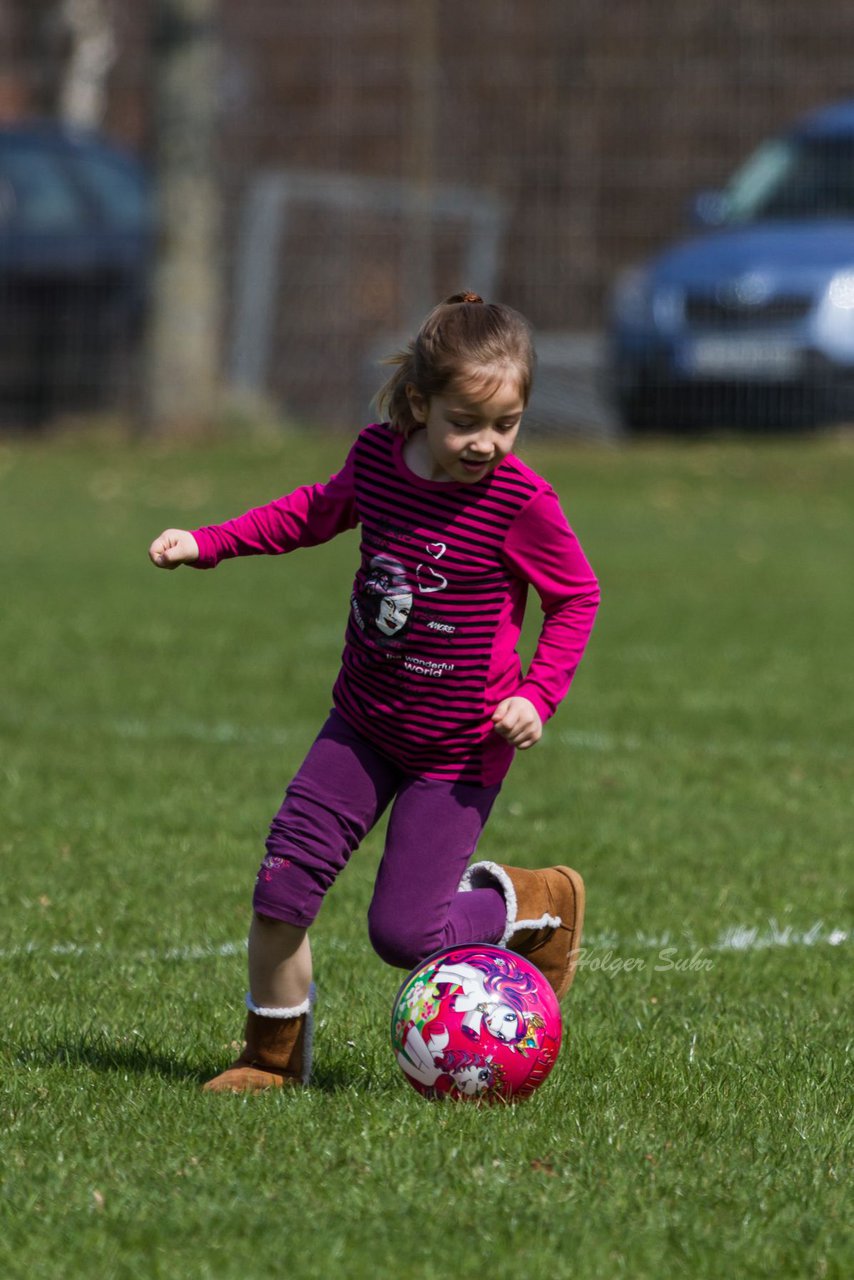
[
  {"x": 545, "y": 912},
  {"x": 277, "y": 1051}
]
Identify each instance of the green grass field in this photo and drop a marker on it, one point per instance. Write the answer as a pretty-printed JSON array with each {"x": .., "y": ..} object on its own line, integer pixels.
[{"x": 700, "y": 776}]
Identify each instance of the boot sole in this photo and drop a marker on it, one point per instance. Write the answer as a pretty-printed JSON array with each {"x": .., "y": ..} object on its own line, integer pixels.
[{"x": 248, "y": 1080}]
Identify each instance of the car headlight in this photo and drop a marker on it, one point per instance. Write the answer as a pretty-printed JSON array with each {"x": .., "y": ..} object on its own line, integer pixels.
[
  {"x": 840, "y": 291},
  {"x": 640, "y": 303},
  {"x": 667, "y": 306},
  {"x": 832, "y": 322}
]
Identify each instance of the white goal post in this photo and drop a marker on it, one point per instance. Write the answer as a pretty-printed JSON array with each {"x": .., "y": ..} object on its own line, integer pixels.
[{"x": 270, "y": 200}]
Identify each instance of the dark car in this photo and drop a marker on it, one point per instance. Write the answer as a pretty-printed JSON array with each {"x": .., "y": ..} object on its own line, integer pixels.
[
  {"x": 75, "y": 250},
  {"x": 752, "y": 322}
]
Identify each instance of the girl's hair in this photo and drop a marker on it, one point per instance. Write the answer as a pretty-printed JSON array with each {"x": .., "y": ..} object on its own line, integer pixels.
[{"x": 463, "y": 335}]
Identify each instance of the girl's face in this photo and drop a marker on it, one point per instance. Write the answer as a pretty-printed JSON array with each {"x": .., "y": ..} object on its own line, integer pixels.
[{"x": 468, "y": 431}]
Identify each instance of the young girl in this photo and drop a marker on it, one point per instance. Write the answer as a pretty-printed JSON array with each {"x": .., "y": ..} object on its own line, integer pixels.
[{"x": 430, "y": 703}]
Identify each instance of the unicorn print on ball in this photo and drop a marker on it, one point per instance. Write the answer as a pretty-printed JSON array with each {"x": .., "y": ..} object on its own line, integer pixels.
[
  {"x": 440, "y": 1069},
  {"x": 476, "y": 1022},
  {"x": 490, "y": 996}
]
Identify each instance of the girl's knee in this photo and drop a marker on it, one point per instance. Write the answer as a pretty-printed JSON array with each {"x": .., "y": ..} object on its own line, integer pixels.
[{"x": 399, "y": 942}]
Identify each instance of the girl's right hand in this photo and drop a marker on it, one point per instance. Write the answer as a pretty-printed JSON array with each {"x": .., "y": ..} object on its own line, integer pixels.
[{"x": 173, "y": 547}]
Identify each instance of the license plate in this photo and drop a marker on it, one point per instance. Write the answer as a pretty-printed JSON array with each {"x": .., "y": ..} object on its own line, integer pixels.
[{"x": 742, "y": 357}]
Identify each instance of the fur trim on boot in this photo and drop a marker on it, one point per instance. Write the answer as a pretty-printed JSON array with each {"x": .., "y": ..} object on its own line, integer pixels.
[
  {"x": 277, "y": 1051},
  {"x": 545, "y": 912}
]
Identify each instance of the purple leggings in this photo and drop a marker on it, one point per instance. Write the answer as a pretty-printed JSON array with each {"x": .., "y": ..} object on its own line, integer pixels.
[{"x": 338, "y": 795}]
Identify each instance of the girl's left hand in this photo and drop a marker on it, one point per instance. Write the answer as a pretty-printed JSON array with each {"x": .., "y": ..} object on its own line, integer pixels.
[{"x": 518, "y": 720}]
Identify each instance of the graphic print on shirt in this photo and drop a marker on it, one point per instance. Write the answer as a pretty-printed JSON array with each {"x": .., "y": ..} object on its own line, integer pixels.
[{"x": 385, "y": 602}]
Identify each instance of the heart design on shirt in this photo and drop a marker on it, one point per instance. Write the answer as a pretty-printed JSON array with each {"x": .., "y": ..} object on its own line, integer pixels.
[
  {"x": 436, "y": 549},
  {"x": 429, "y": 580}
]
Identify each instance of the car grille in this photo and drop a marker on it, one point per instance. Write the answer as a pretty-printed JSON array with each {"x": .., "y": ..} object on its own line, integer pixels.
[{"x": 715, "y": 313}]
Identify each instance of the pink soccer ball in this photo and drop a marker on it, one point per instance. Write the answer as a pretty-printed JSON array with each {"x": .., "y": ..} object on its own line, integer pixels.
[{"x": 476, "y": 1022}]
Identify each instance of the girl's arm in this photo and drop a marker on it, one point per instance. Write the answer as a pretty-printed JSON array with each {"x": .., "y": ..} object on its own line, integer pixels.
[
  {"x": 310, "y": 515},
  {"x": 542, "y": 549}
]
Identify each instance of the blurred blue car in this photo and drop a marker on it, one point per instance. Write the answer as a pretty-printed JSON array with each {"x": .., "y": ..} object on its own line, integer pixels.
[
  {"x": 751, "y": 323},
  {"x": 75, "y": 252}
]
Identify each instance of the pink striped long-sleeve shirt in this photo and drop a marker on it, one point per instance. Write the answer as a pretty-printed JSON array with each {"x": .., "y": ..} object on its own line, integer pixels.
[{"x": 438, "y": 599}]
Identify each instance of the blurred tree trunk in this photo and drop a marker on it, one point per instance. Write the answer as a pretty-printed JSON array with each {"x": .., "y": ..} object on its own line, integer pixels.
[
  {"x": 83, "y": 91},
  {"x": 183, "y": 352}
]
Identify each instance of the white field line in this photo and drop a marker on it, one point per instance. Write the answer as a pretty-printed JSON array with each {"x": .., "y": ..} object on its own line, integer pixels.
[
  {"x": 222, "y": 731},
  {"x": 219, "y": 732},
  {"x": 602, "y": 741},
  {"x": 605, "y": 743},
  {"x": 744, "y": 938}
]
